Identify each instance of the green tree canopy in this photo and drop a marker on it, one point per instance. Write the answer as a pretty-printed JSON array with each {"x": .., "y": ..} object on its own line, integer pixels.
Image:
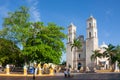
[
  {"x": 110, "y": 52},
  {"x": 16, "y": 26},
  {"x": 9, "y": 52},
  {"x": 76, "y": 44},
  {"x": 96, "y": 54},
  {"x": 118, "y": 53},
  {"x": 46, "y": 43},
  {"x": 39, "y": 42}
]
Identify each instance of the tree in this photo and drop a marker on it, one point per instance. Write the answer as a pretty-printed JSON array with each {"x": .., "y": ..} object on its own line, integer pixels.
[
  {"x": 64, "y": 63},
  {"x": 77, "y": 45},
  {"x": 38, "y": 42},
  {"x": 9, "y": 53},
  {"x": 96, "y": 54},
  {"x": 46, "y": 44},
  {"x": 110, "y": 52},
  {"x": 118, "y": 53},
  {"x": 17, "y": 27}
]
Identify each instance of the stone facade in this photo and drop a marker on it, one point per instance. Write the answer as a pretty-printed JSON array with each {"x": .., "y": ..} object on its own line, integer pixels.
[
  {"x": 71, "y": 37},
  {"x": 91, "y": 41},
  {"x": 75, "y": 58}
]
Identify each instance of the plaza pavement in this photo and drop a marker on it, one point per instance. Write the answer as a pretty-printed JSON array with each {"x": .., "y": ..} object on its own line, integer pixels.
[{"x": 60, "y": 76}]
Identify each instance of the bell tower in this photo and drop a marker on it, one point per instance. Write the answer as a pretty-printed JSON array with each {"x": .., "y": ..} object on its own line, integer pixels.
[
  {"x": 91, "y": 41},
  {"x": 71, "y": 36}
]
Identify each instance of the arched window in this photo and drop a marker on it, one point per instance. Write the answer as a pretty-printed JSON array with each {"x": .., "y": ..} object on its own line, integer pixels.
[
  {"x": 69, "y": 31},
  {"x": 79, "y": 65},
  {"x": 89, "y": 24},
  {"x": 89, "y": 34}
]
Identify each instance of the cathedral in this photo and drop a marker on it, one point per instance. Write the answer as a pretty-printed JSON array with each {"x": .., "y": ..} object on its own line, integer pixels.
[{"x": 82, "y": 57}]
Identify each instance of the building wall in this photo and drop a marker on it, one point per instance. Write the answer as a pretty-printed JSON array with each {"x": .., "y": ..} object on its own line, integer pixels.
[
  {"x": 81, "y": 54},
  {"x": 91, "y": 43},
  {"x": 70, "y": 53}
]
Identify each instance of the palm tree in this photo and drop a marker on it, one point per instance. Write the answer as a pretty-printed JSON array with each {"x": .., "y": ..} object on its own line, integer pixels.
[
  {"x": 118, "y": 53},
  {"x": 96, "y": 54},
  {"x": 110, "y": 52},
  {"x": 77, "y": 45}
]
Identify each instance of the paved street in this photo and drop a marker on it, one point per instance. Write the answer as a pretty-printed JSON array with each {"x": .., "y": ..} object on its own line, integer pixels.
[{"x": 76, "y": 76}]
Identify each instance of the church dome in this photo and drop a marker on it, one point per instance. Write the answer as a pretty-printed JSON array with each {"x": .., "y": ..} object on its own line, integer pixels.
[{"x": 104, "y": 45}]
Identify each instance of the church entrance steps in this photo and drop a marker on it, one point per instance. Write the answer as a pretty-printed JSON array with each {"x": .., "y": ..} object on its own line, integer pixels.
[{"x": 102, "y": 71}]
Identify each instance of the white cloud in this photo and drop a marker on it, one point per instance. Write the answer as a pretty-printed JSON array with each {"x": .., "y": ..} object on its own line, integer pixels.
[{"x": 34, "y": 12}]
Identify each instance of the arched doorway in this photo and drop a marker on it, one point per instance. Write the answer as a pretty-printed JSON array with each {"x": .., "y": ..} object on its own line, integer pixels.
[{"x": 79, "y": 65}]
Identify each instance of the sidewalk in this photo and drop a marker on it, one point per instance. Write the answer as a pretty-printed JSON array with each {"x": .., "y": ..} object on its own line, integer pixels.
[
  {"x": 21, "y": 74},
  {"x": 56, "y": 74}
]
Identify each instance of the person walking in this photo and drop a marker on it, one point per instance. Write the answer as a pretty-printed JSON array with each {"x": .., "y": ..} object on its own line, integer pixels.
[
  {"x": 65, "y": 73},
  {"x": 68, "y": 72}
]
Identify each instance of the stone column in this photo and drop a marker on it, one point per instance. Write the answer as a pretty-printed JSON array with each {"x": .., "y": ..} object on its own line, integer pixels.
[
  {"x": 40, "y": 71},
  {"x": 76, "y": 60},
  {"x": 51, "y": 71},
  {"x": 87, "y": 69},
  {"x": 116, "y": 67},
  {"x": 7, "y": 69},
  {"x": 25, "y": 70},
  {"x": 81, "y": 69}
]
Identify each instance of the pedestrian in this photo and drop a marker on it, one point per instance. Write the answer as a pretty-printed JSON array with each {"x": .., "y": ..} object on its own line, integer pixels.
[
  {"x": 68, "y": 72},
  {"x": 36, "y": 69},
  {"x": 65, "y": 73}
]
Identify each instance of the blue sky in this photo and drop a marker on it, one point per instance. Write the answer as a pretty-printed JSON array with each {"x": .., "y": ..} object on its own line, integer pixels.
[{"x": 63, "y": 12}]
